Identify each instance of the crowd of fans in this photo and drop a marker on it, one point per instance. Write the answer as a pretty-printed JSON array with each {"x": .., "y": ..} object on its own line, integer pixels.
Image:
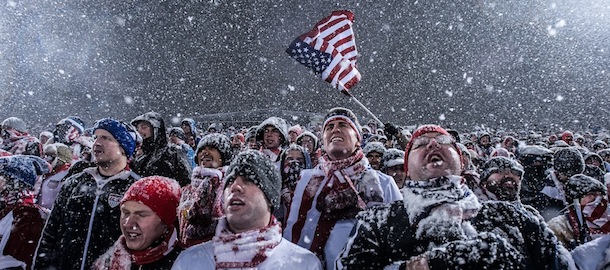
[{"x": 139, "y": 194}]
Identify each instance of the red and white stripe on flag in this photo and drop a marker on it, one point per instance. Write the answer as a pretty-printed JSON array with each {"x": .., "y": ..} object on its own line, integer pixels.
[{"x": 334, "y": 35}]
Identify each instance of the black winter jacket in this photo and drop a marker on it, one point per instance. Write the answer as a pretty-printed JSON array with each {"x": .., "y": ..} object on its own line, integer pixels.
[
  {"x": 85, "y": 216},
  {"x": 383, "y": 236},
  {"x": 158, "y": 158}
]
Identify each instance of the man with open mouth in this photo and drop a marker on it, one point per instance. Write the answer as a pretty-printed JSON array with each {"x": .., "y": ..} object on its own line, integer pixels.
[
  {"x": 249, "y": 236},
  {"x": 440, "y": 223}
]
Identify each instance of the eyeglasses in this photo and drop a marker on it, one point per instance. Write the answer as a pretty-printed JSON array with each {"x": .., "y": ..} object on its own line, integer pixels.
[{"x": 440, "y": 139}]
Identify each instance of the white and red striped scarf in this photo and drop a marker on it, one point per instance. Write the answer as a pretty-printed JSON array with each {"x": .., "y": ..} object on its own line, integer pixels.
[
  {"x": 246, "y": 249},
  {"x": 200, "y": 206},
  {"x": 597, "y": 215}
]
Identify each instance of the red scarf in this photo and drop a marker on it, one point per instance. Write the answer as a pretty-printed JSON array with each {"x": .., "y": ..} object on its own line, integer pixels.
[
  {"x": 246, "y": 249},
  {"x": 348, "y": 188},
  {"x": 119, "y": 257}
]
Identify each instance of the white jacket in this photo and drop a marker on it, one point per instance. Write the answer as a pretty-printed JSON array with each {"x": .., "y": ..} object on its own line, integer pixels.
[
  {"x": 285, "y": 255},
  {"x": 340, "y": 232}
]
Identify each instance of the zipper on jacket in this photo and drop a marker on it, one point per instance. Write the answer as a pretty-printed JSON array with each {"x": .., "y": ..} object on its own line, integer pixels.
[{"x": 98, "y": 192}]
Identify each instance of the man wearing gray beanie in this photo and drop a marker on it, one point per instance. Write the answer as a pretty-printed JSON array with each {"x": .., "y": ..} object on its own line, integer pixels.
[{"x": 249, "y": 236}]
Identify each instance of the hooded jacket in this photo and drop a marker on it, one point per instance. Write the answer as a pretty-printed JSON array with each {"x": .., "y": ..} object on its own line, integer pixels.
[
  {"x": 158, "y": 158},
  {"x": 84, "y": 221}
]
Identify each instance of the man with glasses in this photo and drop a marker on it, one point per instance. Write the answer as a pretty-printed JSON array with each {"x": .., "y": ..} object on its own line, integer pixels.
[{"x": 440, "y": 224}]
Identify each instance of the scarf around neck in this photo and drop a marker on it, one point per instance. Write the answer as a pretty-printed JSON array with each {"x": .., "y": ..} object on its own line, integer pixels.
[
  {"x": 353, "y": 178},
  {"x": 119, "y": 257},
  {"x": 420, "y": 197},
  {"x": 247, "y": 249}
]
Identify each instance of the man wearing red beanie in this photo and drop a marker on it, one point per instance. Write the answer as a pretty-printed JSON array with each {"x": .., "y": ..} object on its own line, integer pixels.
[
  {"x": 148, "y": 215},
  {"x": 440, "y": 224}
]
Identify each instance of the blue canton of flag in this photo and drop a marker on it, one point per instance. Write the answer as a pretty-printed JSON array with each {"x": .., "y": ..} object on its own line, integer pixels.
[
  {"x": 329, "y": 50},
  {"x": 305, "y": 54}
]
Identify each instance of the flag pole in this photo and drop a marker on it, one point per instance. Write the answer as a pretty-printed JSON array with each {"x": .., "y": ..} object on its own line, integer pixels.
[{"x": 347, "y": 93}]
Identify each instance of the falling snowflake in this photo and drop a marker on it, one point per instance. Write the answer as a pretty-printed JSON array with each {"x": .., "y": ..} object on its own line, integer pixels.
[
  {"x": 128, "y": 100},
  {"x": 442, "y": 117},
  {"x": 559, "y": 98}
]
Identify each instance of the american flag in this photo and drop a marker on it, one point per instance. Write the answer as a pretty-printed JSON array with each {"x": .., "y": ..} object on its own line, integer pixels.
[{"x": 329, "y": 49}]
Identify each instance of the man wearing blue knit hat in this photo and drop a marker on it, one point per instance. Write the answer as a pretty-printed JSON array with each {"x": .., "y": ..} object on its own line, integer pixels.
[{"x": 82, "y": 224}]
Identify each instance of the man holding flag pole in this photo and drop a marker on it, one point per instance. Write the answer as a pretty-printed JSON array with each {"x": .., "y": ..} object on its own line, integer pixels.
[{"x": 328, "y": 197}]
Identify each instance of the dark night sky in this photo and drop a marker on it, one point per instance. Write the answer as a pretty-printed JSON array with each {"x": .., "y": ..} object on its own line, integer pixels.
[{"x": 457, "y": 63}]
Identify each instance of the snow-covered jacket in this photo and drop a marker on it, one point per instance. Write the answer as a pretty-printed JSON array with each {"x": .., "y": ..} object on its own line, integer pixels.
[
  {"x": 504, "y": 237},
  {"x": 158, "y": 157},
  {"x": 84, "y": 221},
  {"x": 304, "y": 217},
  {"x": 593, "y": 255},
  {"x": 285, "y": 256}
]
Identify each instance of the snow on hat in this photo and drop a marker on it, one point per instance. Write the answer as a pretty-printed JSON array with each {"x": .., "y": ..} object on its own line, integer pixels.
[
  {"x": 580, "y": 185},
  {"x": 599, "y": 144},
  {"x": 251, "y": 133},
  {"x": 161, "y": 194},
  {"x": 603, "y": 153},
  {"x": 296, "y": 128},
  {"x": 594, "y": 171},
  {"x": 344, "y": 114},
  {"x": 374, "y": 147},
  {"x": 311, "y": 135},
  {"x": 60, "y": 150},
  {"x": 24, "y": 168},
  {"x": 566, "y": 134},
  {"x": 592, "y": 155},
  {"x": 455, "y": 134},
  {"x": 178, "y": 132},
  {"x": 392, "y": 157},
  {"x": 258, "y": 169},
  {"x": 568, "y": 161},
  {"x": 124, "y": 133},
  {"x": 220, "y": 142},
  {"x": 500, "y": 164},
  {"x": 75, "y": 122},
  {"x": 275, "y": 122},
  {"x": 423, "y": 130},
  {"x": 14, "y": 123},
  {"x": 47, "y": 134},
  {"x": 213, "y": 126}
]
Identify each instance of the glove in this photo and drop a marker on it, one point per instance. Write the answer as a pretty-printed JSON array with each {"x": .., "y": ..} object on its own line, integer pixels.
[{"x": 484, "y": 251}]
